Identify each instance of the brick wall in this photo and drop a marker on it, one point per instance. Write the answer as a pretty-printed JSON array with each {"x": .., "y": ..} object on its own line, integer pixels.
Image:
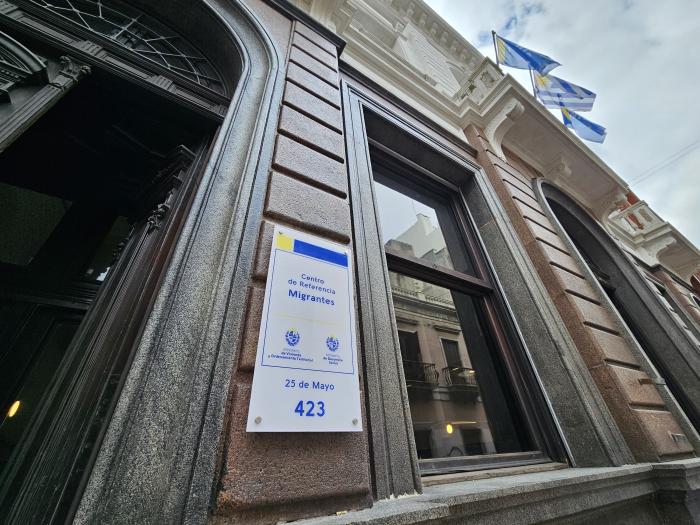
[
  {"x": 634, "y": 402},
  {"x": 287, "y": 476}
]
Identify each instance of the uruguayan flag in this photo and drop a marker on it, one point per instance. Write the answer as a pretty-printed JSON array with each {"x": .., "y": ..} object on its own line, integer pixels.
[
  {"x": 585, "y": 129},
  {"x": 513, "y": 55},
  {"x": 555, "y": 92}
]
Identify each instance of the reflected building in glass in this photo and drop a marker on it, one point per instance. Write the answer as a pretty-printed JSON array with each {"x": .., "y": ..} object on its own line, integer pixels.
[{"x": 448, "y": 414}]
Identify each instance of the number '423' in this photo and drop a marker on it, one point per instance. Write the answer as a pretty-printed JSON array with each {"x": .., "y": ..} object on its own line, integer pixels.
[{"x": 311, "y": 409}]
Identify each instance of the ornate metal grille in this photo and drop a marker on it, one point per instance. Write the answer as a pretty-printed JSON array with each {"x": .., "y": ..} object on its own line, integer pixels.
[{"x": 142, "y": 34}]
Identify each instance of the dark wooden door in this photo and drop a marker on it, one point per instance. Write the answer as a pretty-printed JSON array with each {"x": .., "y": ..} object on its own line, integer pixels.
[{"x": 72, "y": 304}]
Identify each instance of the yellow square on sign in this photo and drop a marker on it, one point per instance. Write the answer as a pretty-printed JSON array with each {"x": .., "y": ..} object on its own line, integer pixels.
[{"x": 285, "y": 242}]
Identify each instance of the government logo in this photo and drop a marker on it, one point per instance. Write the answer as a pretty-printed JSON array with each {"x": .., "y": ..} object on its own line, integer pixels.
[
  {"x": 292, "y": 337},
  {"x": 332, "y": 343}
]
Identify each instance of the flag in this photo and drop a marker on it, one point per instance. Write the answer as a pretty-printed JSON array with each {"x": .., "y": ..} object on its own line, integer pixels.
[
  {"x": 585, "y": 129},
  {"x": 513, "y": 55},
  {"x": 555, "y": 92}
]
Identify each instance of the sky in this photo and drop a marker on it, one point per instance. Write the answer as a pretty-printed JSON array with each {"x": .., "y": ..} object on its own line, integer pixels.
[{"x": 641, "y": 58}]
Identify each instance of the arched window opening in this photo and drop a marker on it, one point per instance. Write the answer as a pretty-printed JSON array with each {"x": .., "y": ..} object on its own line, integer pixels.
[
  {"x": 646, "y": 315},
  {"x": 135, "y": 30}
]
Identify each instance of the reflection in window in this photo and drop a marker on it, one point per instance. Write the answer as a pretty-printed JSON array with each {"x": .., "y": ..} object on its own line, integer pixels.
[
  {"x": 461, "y": 393},
  {"x": 458, "y": 404},
  {"x": 411, "y": 227}
]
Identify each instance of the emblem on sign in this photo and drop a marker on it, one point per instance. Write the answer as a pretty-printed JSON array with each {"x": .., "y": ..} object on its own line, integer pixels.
[
  {"x": 292, "y": 337},
  {"x": 332, "y": 343}
]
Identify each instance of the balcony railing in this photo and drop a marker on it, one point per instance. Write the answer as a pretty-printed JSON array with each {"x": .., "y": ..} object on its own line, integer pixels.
[
  {"x": 459, "y": 376},
  {"x": 420, "y": 372}
]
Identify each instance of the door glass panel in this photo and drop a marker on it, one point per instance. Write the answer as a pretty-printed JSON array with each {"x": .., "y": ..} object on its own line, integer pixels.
[
  {"x": 461, "y": 403},
  {"x": 28, "y": 370},
  {"x": 107, "y": 251}
]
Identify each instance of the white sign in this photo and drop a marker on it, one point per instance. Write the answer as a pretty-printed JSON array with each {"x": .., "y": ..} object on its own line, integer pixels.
[{"x": 306, "y": 368}]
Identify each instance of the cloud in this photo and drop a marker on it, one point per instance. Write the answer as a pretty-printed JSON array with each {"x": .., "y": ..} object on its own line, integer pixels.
[{"x": 642, "y": 60}]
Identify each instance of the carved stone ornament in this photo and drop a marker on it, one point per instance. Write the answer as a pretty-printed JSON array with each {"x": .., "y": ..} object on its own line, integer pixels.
[
  {"x": 72, "y": 69},
  {"x": 604, "y": 206},
  {"x": 499, "y": 125},
  {"x": 558, "y": 171},
  {"x": 157, "y": 215}
]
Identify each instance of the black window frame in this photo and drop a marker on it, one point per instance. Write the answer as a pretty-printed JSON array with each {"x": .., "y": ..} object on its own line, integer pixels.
[{"x": 497, "y": 321}]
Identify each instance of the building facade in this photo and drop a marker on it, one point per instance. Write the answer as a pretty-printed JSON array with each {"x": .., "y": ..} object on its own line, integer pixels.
[{"x": 528, "y": 330}]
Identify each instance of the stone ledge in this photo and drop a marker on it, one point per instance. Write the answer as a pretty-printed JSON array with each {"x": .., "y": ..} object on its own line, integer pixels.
[
  {"x": 533, "y": 498},
  {"x": 443, "y": 479}
]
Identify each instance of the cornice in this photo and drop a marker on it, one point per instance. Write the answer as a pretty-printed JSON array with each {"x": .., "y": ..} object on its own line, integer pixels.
[
  {"x": 442, "y": 34},
  {"x": 293, "y": 12},
  {"x": 352, "y": 72}
]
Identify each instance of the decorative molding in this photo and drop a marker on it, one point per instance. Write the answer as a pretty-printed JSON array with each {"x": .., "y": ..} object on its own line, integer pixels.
[
  {"x": 652, "y": 239},
  {"x": 603, "y": 207},
  {"x": 89, "y": 47},
  {"x": 121, "y": 25},
  {"x": 161, "y": 81},
  {"x": 70, "y": 73},
  {"x": 18, "y": 66},
  {"x": 558, "y": 171},
  {"x": 343, "y": 16},
  {"x": 499, "y": 125},
  {"x": 295, "y": 13},
  {"x": 94, "y": 48},
  {"x": 6, "y": 7}
]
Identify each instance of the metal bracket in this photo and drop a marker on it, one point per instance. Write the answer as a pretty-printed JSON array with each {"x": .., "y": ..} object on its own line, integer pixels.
[{"x": 652, "y": 381}]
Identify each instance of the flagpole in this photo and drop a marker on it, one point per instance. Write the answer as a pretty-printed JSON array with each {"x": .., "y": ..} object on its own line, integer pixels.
[
  {"x": 532, "y": 81},
  {"x": 495, "y": 48}
]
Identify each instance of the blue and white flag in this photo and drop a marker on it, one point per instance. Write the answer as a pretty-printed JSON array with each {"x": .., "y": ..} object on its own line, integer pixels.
[
  {"x": 555, "y": 92},
  {"x": 585, "y": 129},
  {"x": 513, "y": 55}
]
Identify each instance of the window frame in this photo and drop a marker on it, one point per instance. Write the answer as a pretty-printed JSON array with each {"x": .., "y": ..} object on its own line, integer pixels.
[{"x": 498, "y": 324}]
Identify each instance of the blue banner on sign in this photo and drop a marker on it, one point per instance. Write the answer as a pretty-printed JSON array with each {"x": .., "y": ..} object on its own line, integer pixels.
[{"x": 317, "y": 252}]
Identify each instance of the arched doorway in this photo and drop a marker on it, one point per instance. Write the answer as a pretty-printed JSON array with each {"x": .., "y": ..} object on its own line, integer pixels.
[
  {"x": 107, "y": 116},
  {"x": 665, "y": 343}
]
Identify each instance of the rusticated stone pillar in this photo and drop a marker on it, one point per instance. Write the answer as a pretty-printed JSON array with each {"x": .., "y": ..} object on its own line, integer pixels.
[
  {"x": 268, "y": 477},
  {"x": 651, "y": 431}
]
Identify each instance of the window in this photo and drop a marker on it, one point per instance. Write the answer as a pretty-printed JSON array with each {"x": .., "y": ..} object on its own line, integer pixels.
[
  {"x": 451, "y": 350},
  {"x": 129, "y": 28},
  {"x": 467, "y": 407}
]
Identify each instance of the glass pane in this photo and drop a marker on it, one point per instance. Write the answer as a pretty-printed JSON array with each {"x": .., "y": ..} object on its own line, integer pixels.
[
  {"x": 411, "y": 227},
  {"x": 27, "y": 219},
  {"x": 104, "y": 256},
  {"x": 30, "y": 370},
  {"x": 461, "y": 402},
  {"x": 423, "y": 229}
]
